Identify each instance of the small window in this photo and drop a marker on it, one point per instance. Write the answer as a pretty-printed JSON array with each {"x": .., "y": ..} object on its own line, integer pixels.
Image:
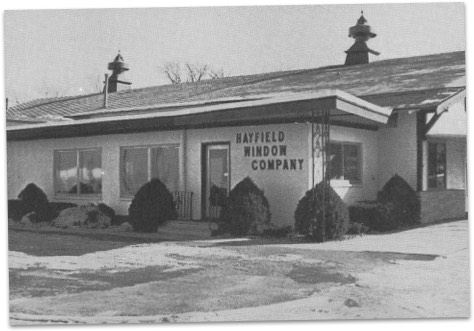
[
  {"x": 78, "y": 172},
  {"x": 345, "y": 162},
  {"x": 436, "y": 165},
  {"x": 139, "y": 165}
]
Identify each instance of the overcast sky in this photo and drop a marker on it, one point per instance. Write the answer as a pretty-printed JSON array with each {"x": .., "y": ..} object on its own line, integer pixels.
[{"x": 65, "y": 52}]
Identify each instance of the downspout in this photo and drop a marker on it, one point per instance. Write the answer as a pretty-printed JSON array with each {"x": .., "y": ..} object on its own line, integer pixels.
[{"x": 184, "y": 144}]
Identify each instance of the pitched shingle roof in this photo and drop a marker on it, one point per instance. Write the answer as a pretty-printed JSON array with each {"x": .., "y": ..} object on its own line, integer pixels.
[{"x": 404, "y": 83}]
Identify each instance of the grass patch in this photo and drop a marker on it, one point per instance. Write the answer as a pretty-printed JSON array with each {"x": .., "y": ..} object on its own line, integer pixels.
[
  {"x": 40, "y": 282},
  {"x": 61, "y": 244},
  {"x": 318, "y": 274},
  {"x": 133, "y": 277}
]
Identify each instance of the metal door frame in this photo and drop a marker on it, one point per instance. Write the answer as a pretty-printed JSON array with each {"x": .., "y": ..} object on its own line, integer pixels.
[{"x": 205, "y": 147}]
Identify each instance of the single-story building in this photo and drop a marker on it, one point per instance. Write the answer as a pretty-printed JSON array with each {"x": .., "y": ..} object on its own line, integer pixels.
[{"x": 403, "y": 116}]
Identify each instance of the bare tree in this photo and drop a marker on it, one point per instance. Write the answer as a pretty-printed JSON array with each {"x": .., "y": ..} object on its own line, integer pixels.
[
  {"x": 172, "y": 70},
  {"x": 196, "y": 72},
  {"x": 190, "y": 72}
]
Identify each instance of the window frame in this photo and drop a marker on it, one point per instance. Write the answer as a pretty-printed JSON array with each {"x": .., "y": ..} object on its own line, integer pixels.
[
  {"x": 437, "y": 142},
  {"x": 127, "y": 196},
  {"x": 360, "y": 159},
  {"x": 78, "y": 161}
]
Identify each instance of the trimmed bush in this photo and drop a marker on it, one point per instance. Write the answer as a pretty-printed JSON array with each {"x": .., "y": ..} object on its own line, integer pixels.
[
  {"x": 85, "y": 216},
  {"x": 402, "y": 205},
  {"x": 217, "y": 196},
  {"x": 356, "y": 228},
  {"x": 282, "y": 232},
  {"x": 151, "y": 207},
  {"x": 336, "y": 212},
  {"x": 371, "y": 214},
  {"x": 16, "y": 210},
  {"x": 35, "y": 200},
  {"x": 247, "y": 211},
  {"x": 108, "y": 211},
  {"x": 58, "y": 207}
]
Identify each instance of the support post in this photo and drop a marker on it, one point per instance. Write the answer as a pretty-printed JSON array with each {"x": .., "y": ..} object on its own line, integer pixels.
[
  {"x": 320, "y": 143},
  {"x": 313, "y": 150}
]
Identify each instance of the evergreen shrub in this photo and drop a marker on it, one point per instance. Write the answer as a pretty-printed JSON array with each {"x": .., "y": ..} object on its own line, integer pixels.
[
  {"x": 401, "y": 203},
  {"x": 309, "y": 215},
  {"x": 246, "y": 211},
  {"x": 35, "y": 200},
  {"x": 151, "y": 207}
]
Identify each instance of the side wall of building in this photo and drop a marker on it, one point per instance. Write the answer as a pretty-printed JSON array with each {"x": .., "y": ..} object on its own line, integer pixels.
[
  {"x": 33, "y": 162},
  {"x": 368, "y": 142},
  {"x": 398, "y": 151},
  {"x": 450, "y": 202},
  {"x": 283, "y": 187}
]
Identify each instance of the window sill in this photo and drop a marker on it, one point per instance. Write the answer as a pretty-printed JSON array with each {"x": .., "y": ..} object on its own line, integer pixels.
[
  {"x": 78, "y": 197},
  {"x": 442, "y": 189},
  {"x": 344, "y": 183}
]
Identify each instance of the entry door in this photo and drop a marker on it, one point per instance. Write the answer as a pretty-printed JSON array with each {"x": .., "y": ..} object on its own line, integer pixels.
[{"x": 217, "y": 178}]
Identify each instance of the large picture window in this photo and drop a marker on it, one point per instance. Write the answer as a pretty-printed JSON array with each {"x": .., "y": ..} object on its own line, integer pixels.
[
  {"x": 345, "y": 162},
  {"x": 139, "y": 165},
  {"x": 78, "y": 172},
  {"x": 436, "y": 165}
]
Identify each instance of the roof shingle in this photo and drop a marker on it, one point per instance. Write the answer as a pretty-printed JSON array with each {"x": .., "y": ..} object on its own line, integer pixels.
[{"x": 404, "y": 83}]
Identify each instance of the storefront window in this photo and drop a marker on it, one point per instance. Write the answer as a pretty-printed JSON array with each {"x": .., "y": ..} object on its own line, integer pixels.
[
  {"x": 345, "y": 162},
  {"x": 78, "y": 172},
  {"x": 139, "y": 165},
  {"x": 436, "y": 165}
]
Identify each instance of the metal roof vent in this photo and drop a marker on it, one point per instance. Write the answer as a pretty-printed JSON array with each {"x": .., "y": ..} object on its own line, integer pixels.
[
  {"x": 118, "y": 67},
  {"x": 358, "y": 53}
]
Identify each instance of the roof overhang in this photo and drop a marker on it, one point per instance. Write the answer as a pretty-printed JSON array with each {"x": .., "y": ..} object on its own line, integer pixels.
[
  {"x": 346, "y": 110},
  {"x": 451, "y": 122},
  {"x": 448, "y": 102}
]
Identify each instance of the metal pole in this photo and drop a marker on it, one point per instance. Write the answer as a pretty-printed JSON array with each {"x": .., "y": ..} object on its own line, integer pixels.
[
  {"x": 312, "y": 175},
  {"x": 106, "y": 89},
  {"x": 324, "y": 143},
  {"x": 328, "y": 154}
]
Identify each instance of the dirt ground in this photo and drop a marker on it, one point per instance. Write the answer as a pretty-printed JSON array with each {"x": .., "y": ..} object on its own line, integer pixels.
[{"x": 61, "y": 278}]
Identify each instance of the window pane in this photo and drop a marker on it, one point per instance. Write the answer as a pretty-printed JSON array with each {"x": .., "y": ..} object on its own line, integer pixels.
[
  {"x": 133, "y": 169},
  {"x": 165, "y": 166},
  {"x": 66, "y": 171},
  {"x": 440, "y": 166},
  {"x": 432, "y": 165},
  {"x": 351, "y": 163},
  {"x": 335, "y": 171},
  {"x": 436, "y": 165},
  {"x": 90, "y": 172}
]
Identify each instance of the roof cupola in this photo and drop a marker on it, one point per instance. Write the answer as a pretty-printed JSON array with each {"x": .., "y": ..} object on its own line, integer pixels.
[
  {"x": 118, "y": 67},
  {"x": 358, "y": 53}
]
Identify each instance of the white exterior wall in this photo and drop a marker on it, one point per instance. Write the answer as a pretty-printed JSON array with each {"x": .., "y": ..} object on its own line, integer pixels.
[
  {"x": 283, "y": 188},
  {"x": 455, "y": 164},
  {"x": 32, "y": 162},
  {"x": 397, "y": 150},
  {"x": 367, "y": 190},
  {"x": 456, "y": 144}
]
